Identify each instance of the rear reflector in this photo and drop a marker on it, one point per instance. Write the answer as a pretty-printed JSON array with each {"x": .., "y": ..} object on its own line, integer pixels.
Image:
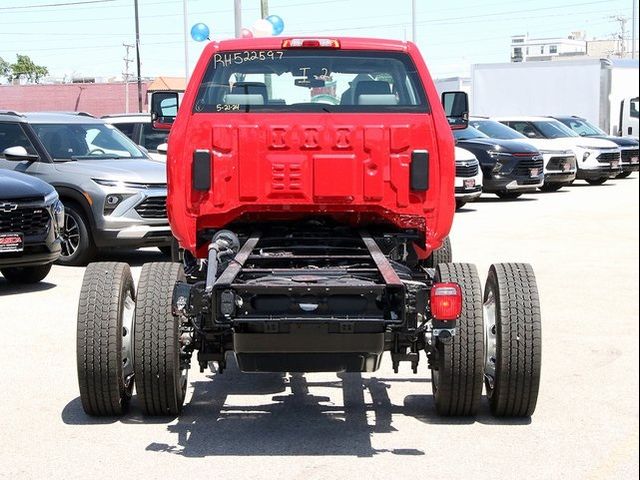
[
  {"x": 446, "y": 301},
  {"x": 310, "y": 43}
]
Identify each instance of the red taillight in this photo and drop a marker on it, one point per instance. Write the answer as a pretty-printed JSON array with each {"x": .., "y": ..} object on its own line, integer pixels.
[
  {"x": 310, "y": 43},
  {"x": 446, "y": 301}
]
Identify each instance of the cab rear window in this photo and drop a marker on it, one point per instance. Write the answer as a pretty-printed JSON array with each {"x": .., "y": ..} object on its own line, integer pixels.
[{"x": 301, "y": 80}]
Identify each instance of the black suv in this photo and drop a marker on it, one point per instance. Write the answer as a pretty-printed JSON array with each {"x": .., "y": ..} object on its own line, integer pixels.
[
  {"x": 509, "y": 167},
  {"x": 31, "y": 219},
  {"x": 628, "y": 145}
]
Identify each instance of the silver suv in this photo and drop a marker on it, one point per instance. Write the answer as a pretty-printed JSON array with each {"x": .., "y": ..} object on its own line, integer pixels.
[{"x": 114, "y": 194}]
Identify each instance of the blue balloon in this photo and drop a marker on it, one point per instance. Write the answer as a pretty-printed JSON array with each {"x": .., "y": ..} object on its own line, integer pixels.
[
  {"x": 277, "y": 22},
  {"x": 200, "y": 32}
]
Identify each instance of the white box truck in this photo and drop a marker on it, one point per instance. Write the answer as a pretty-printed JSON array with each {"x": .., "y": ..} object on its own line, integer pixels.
[
  {"x": 453, "y": 84},
  {"x": 604, "y": 91}
]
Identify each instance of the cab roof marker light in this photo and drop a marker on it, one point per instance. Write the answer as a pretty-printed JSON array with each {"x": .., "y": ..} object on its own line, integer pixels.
[{"x": 311, "y": 43}]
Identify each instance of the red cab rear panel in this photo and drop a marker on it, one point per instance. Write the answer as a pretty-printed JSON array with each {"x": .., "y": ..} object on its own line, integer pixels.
[{"x": 352, "y": 166}]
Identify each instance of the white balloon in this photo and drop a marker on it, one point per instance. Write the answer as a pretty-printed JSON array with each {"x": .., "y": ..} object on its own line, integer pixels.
[{"x": 262, "y": 28}]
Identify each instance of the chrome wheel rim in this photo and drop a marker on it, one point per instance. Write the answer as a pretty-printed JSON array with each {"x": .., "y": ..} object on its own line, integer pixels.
[
  {"x": 70, "y": 236},
  {"x": 490, "y": 340},
  {"x": 128, "y": 310}
]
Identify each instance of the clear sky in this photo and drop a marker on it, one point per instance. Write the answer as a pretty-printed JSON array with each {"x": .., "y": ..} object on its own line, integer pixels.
[{"x": 86, "y": 39}]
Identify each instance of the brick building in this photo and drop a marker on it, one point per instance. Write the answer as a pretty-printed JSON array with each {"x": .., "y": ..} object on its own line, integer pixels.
[{"x": 94, "y": 98}]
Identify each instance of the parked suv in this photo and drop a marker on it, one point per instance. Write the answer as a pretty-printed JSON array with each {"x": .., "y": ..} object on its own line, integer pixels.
[
  {"x": 509, "y": 167},
  {"x": 138, "y": 128},
  {"x": 628, "y": 145},
  {"x": 559, "y": 162},
  {"x": 598, "y": 160},
  {"x": 31, "y": 220},
  {"x": 468, "y": 177},
  {"x": 114, "y": 194}
]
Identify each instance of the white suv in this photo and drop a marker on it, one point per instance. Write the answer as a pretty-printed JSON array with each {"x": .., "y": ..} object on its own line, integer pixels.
[
  {"x": 598, "y": 159},
  {"x": 137, "y": 126},
  {"x": 468, "y": 177}
]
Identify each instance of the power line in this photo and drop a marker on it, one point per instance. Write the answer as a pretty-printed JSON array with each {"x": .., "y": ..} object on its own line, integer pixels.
[{"x": 66, "y": 4}]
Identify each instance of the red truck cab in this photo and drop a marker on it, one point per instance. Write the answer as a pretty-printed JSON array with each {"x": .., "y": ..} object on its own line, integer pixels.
[{"x": 349, "y": 128}]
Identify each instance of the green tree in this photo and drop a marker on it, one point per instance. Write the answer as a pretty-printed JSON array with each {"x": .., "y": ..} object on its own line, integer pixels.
[
  {"x": 24, "y": 67},
  {"x": 5, "y": 68}
]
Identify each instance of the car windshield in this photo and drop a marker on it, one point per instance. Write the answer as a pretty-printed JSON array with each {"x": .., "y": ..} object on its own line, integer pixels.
[
  {"x": 495, "y": 129},
  {"x": 468, "y": 133},
  {"x": 582, "y": 127},
  {"x": 91, "y": 141},
  {"x": 554, "y": 129},
  {"x": 311, "y": 80}
]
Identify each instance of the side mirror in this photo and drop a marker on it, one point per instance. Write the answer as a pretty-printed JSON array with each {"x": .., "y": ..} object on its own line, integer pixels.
[
  {"x": 456, "y": 108},
  {"x": 164, "y": 109},
  {"x": 162, "y": 148},
  {"x": 18, "y": 154}
]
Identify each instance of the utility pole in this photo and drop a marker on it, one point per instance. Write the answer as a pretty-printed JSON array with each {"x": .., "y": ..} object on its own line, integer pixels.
[
  {"x": 126, "y": 76},
  {"x": 237, "y": 15},
  {"x": 623, "y": 34},
  {"x": 135, "y": 2},
  {"x": 413, "y": 21}
]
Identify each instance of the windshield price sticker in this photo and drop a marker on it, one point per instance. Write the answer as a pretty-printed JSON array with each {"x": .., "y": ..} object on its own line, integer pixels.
[{"x": 238, "y": 58}]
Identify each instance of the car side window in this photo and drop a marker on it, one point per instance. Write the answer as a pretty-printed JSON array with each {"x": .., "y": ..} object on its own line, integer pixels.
[
  {"x": 127, "y": 128},
  {"x": 12, "y": 135},
  {"x": 151, "y": 137},
  {"x": 525, "y": 128}
]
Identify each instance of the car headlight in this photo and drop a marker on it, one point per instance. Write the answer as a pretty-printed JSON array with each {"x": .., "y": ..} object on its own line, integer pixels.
[
  {"x": 112, "y": 201},
  {"x": 556, "y": 152},
  {"x": 51, "y": 197},
  {"x": 499, "y": 157},
  {"x": 58, "y": 214}
]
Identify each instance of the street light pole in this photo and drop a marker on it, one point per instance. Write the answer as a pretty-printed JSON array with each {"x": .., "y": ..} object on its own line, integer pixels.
[
  {"x": 264, "y": 13},
  {"x": 413, "y": 21},
  {"x": 237, "y": 14},
  {"x": 138, "y": 57},
  {"x": 634, "y": 12}
]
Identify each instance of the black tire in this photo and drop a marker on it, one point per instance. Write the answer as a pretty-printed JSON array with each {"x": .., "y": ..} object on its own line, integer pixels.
[
  {"x": 443, "y": 255},
  {"x": 77, "y": 244},
  {"x": 623, "y": 175},
  {"x": 597, "y": 181},
  {"x": 509, "y": 195},
  {"x": 513, "y": 340},
  {"x": 456, "y": 377},
  {"x": 105, "y": 369},
  {"x": 460, "y": 204},
  {"x": 32, "y": 274},
  {"x": 160, "y": 382},
  {"x": 551, "y": 187}
]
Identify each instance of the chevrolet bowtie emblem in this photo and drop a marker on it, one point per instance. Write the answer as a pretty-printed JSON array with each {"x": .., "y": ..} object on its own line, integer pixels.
[{"x": 8, "y": 207}]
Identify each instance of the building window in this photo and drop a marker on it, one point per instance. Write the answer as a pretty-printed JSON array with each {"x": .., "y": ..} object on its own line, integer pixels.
[
  {"x": 527, "y": 51},
  {"x": 517, "y": 40},
  {"x": 542, "y": 50},
  {"x": 553, "y": 49}
]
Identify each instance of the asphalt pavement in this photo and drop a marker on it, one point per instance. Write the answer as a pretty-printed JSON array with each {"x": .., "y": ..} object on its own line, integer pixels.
[{"x": 583, "y": 245}]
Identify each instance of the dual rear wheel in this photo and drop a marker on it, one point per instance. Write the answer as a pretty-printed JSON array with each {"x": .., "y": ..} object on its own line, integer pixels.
[
  {"x": 114, "y": 327},
  {"x": 497, "y": 342}
]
